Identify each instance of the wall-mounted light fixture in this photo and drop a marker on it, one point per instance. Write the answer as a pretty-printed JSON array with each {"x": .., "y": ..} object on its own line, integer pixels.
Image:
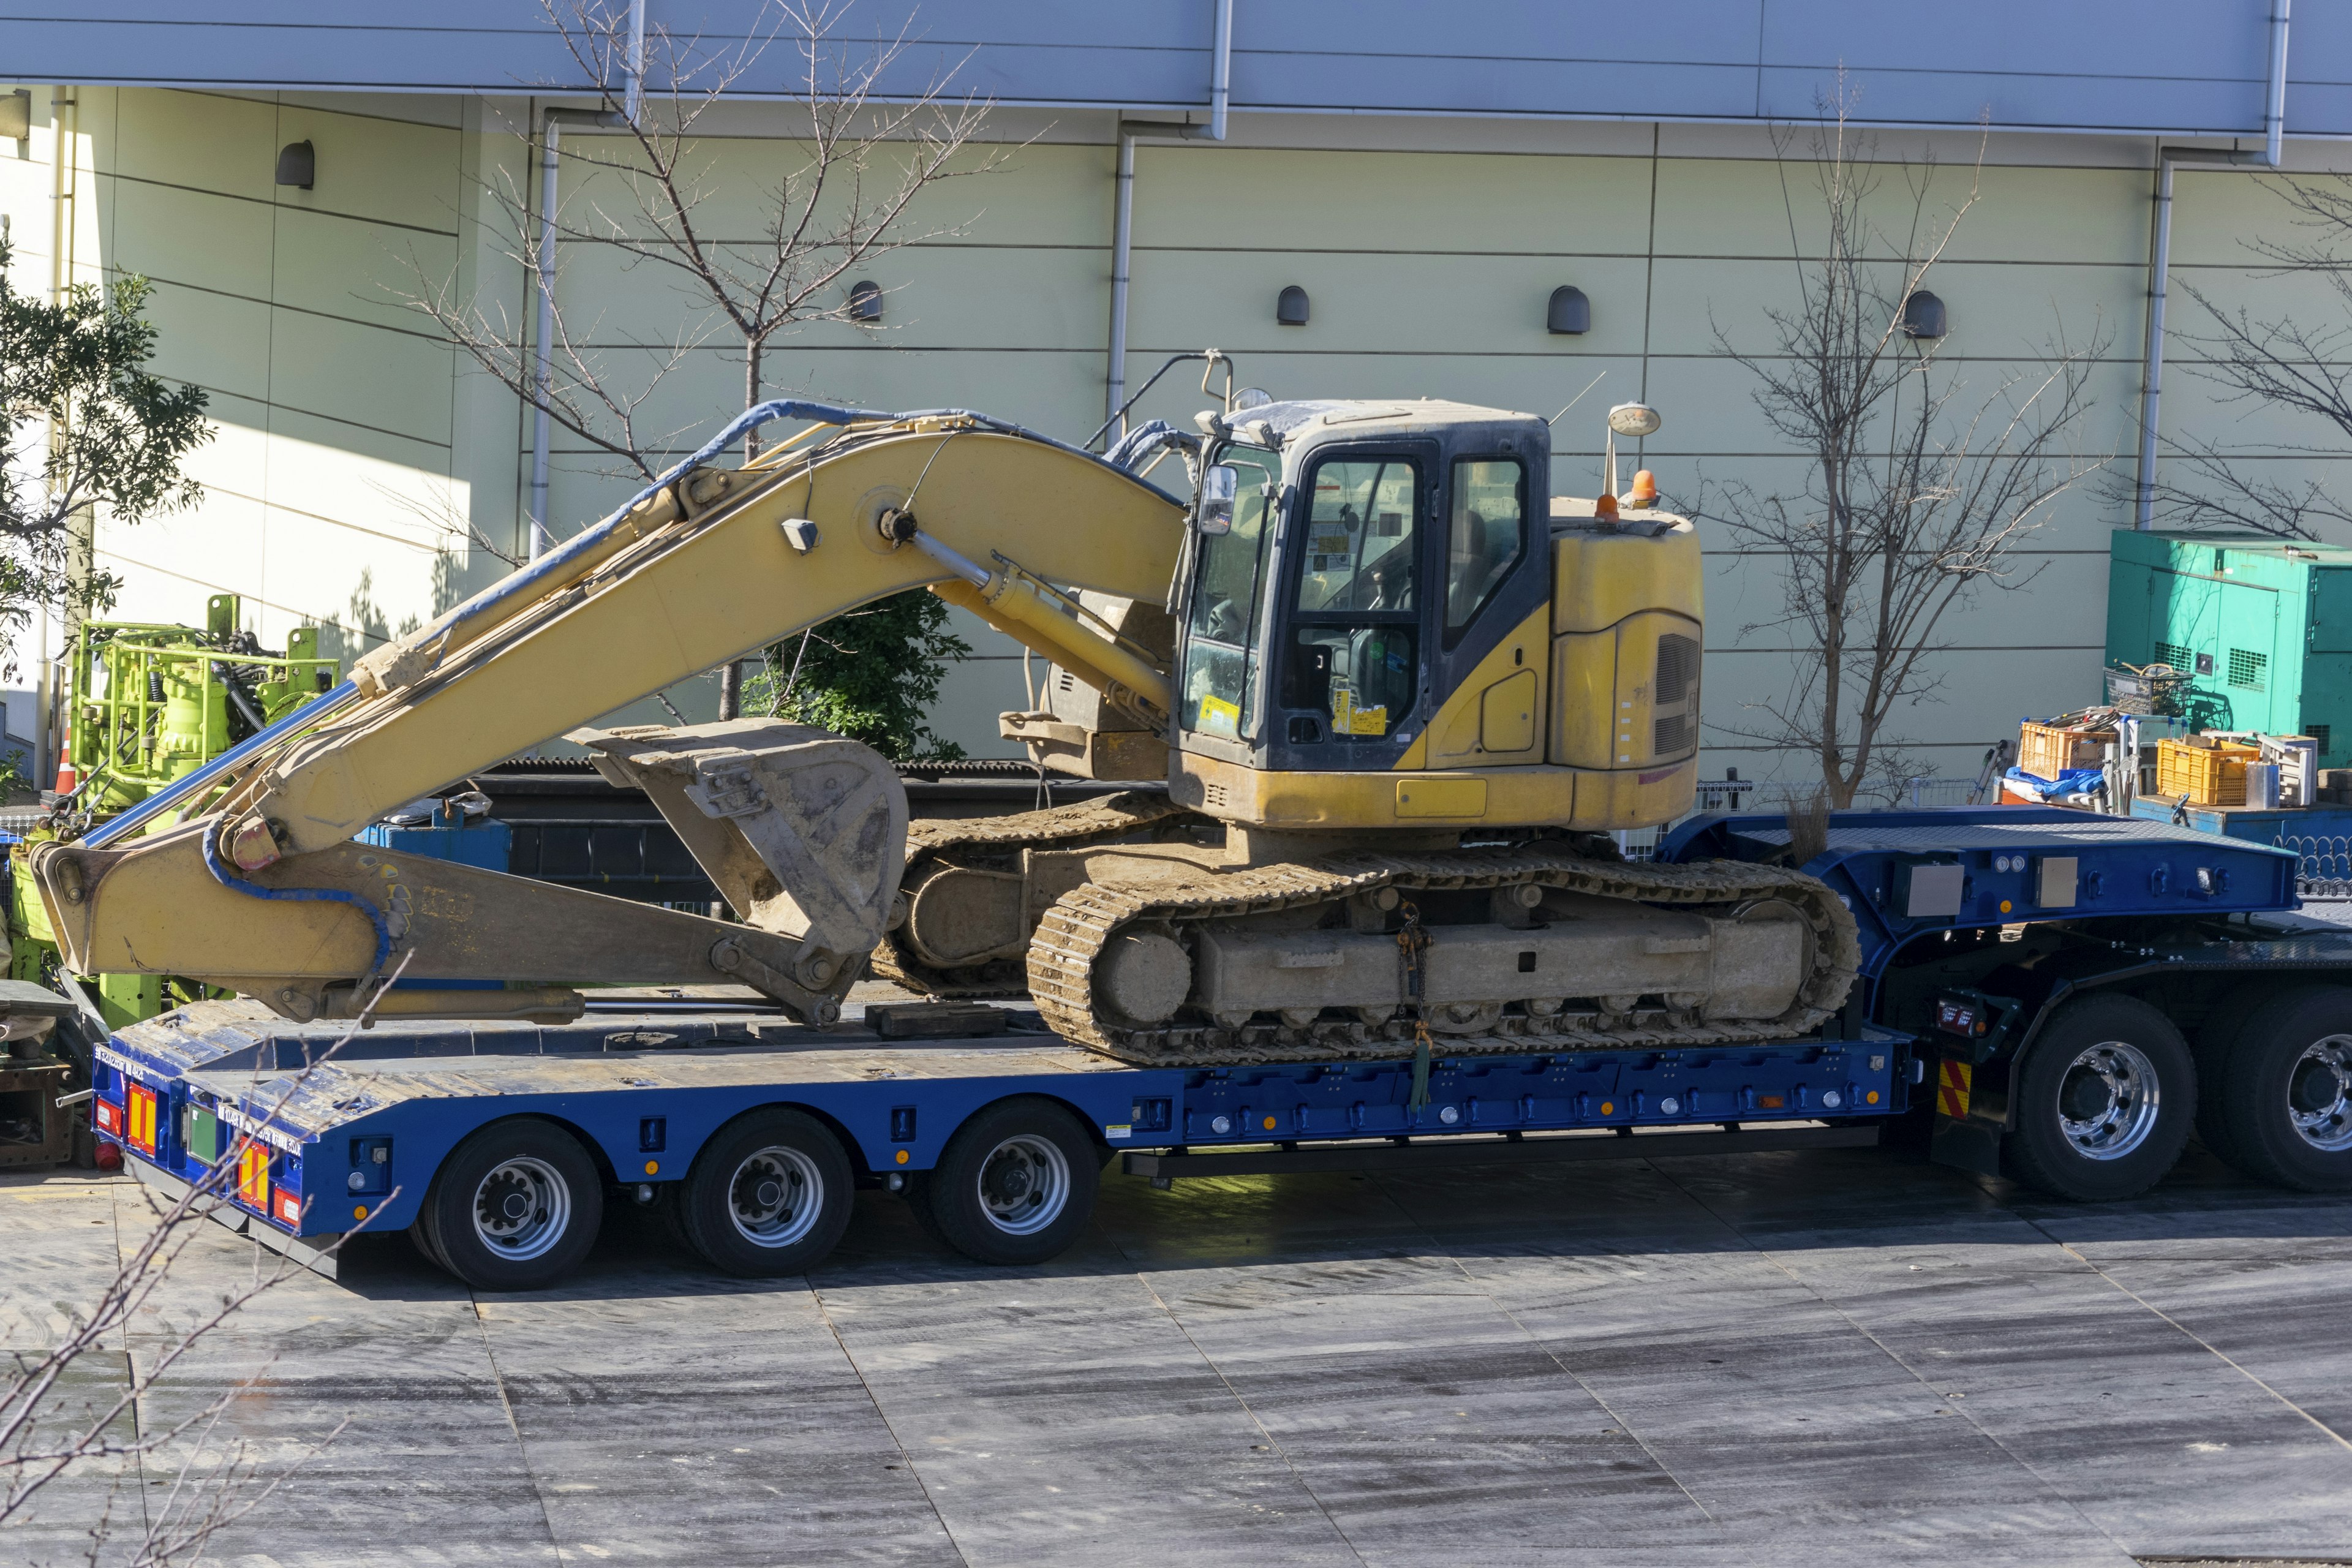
[
  {"x": 1569, "y": 311},
  {"x": 16, "y": 115},
  {"x": 1290, "y": 307},
  {"x": 1923, "y": 315},
  {"x": 298, "y": 165},
  {"x": 865, "y": 301}
]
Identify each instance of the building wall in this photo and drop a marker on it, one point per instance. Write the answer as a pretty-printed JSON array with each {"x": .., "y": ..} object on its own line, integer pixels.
[{"x": 363, "y": 476}]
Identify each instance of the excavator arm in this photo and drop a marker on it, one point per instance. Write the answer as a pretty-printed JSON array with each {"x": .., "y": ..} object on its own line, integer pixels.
[{"x": 264, "y": 890}]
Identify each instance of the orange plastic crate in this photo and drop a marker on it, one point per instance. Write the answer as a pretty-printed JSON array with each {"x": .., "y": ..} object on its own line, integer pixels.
[
  {"x": 2045, "y": 751},
  {"x": 2205, "y": 776}
]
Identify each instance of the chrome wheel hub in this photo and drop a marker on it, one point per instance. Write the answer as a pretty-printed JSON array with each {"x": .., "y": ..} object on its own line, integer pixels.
[
  {"x": 521, "y": 1208},
  {"x": 2107, "y": 1101},
  {"x": 2319, "y": 1094},
  {"x": 1024, "y": 1185},
  {"x": 775, "y": 1196}
]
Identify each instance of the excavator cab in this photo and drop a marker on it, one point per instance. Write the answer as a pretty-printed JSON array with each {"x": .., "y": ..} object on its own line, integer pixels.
[{"x": 1383, "y": 618}]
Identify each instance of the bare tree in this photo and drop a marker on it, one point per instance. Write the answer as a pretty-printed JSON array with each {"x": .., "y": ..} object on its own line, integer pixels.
[
  {"x": 865, "y": 152},
  {"x": 213, "y": 1482},
  {"x": 2275, "y": 364},
  {"x": 1910, "y": 503}
]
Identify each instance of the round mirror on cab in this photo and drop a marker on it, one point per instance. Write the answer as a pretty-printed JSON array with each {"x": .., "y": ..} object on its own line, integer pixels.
[
  {"x": 1635, "y": 419},
  {"x": 1251, "y": 397}
]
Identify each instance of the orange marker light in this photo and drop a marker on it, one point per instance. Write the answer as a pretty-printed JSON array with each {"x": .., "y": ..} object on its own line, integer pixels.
[
  {"x": 651, "y": 1166},
  {"x": 902, "y": 1156},
  {"x": 1608, "y": 1108},
  {"x": 1269, "y": 1124},
  {"x": 360, "y": 1212},
  {"x": 1645, "y": 489}
]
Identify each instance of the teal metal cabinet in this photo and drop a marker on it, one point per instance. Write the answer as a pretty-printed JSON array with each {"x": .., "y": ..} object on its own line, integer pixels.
[{"x": 2265, "y": 625}]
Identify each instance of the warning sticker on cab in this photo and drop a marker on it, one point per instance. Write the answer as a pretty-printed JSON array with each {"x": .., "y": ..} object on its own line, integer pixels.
[
  {"x": 1221, "y": 718},
  {"x": 1952, "y": 1090}
]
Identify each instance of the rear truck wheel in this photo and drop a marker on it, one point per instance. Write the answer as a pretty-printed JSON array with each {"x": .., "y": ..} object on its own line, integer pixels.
[
  {"x": 1015, "y": 1185},
  {"x": 514, "y": 1207},
  {"x": 2104, "y": 1101},
  {"x": 769, "y": 1194},
  {"x": 2283, "y": 1093}
]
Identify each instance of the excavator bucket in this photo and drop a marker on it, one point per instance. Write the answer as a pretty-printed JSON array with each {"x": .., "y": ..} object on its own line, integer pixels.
[{"x": 803, "y": 833}]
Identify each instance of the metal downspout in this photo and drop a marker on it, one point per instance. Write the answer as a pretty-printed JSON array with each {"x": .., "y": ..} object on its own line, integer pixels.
[
  {"x": 2159, "y": 264},
  {"x": 1221, "y": 84},
  {"x": 1122, "y": 230},
  {"x": 633, "y": 101}
]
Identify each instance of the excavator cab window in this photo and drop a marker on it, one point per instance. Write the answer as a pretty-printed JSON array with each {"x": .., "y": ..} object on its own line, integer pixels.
[
  {"x": 1485, "y": 536},
  {"x": 1354, "y": 629},
  {"x": 1220, "y": 654}
]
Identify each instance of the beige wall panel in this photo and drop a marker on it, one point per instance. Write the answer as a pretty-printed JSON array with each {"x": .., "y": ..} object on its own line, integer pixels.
[
  {"x": 171, "y": 564},
  {"x": 220, "y": 342},
  {"x": 334, "y": 266},
  {"x": 377, "y": 481},
  {"x": 389, "y": 170},
  {"x": 1352, "y": 203},
  {"x": 198, "y": 141},
  {"x": 194, "y": 238},
  {"x": 2216, "y": 212},
  {"x": 1059, "y": 392},
  {"x": 1409, "y": 304},
  {"x": 1983, "y": 696},
  {"x": 935, "y": 297},
  {"x": 380, "y": 380},
  {"x": 1043, "y": 194},
  {"x": 235, "y": 461}
]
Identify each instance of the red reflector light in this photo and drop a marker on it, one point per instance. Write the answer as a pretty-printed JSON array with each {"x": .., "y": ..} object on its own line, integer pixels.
[
  {"x": 110, "y": 1118},
  {"x": 290, "y": 1209},
  {"x": 1770, "y": 1101}
]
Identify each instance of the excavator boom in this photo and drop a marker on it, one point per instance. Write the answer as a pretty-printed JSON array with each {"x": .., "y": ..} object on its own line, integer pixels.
[{"x": 266, "y": 892}]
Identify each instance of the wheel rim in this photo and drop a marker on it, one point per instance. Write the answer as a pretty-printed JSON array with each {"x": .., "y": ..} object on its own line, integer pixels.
[
  {"x": 2319, "y": 1094},
  {"x": 774, "y": 1196},
  {"x": 2107, "y": 1101},
  {"x": 1024, "y": 1185},
  {"x": 521, "y": 1208}
]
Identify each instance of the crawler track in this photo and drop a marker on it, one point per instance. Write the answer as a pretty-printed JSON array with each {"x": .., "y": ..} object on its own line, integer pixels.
[
  {"x": 1003, "y": 839},
  {"x": 1073, "y": 934}
]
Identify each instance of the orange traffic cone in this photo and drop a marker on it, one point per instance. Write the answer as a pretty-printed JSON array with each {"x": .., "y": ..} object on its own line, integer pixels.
[{"x": 66, "y": 778}]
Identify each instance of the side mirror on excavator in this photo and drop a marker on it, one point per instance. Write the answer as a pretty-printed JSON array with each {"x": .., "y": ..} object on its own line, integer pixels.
[{"x": 1219, "y": 485}]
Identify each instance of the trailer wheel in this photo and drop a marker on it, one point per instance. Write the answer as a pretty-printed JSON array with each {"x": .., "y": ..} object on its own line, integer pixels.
[
  {"x": 769, "y": 1194},
  {"x": 2104, "y": 1103},
  {"x": 514, "y": 1207},
  {"x": 1015, "y": 1185},
  {"x": 2283, "y": 1093}
]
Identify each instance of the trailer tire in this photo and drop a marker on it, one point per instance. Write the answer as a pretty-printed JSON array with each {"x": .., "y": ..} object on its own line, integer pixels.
[
  {"x": 2211, "y": 1045},
  {"x": 2104, "y": 1101},
  {"x": 768, "y": 1195},
  {"x": 2283, "y": 1095},
  {"x": 1016, "y": 1183},
  {"x": 515, "y": 1207}
]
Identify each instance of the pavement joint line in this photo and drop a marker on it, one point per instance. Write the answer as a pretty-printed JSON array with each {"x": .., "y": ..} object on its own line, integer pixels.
[
  {"x": 2048, "y": 1488},
  {"x": 2197, "y": 1338},
  {"x": 825, "y": 1316},
  {"x": 1573, "y": 1376},
  {"x": 1591, "y": 1393},
  {"x": 522, "y": 1449},
  {"x": 1274, "y": 1444}
]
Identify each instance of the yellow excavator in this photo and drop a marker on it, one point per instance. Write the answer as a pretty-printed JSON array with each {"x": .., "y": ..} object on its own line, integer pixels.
[{"x": 1396, "y": 693}]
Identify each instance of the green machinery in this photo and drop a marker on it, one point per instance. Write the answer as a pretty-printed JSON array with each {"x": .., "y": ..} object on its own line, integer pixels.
[
  {"x": 146, "y": 704},
  {"x": 2260, "y": 628}
]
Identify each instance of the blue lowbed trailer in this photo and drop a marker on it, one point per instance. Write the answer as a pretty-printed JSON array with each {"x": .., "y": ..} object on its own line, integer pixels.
[{"x": 2059, "y": 987}]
